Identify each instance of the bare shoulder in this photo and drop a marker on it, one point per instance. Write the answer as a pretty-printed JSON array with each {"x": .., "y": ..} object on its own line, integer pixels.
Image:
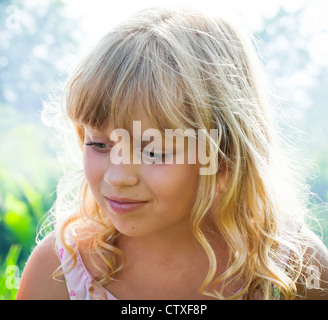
[
  {"x": 37, "y": 282},
  {"x": 314, "y": 285}
]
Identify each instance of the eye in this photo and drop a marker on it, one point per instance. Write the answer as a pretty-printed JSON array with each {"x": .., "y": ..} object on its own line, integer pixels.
[
  {"x": 152, "y": 154},
  {"x": 155, "y": 156},
  {"x": 98, "y": 146}
]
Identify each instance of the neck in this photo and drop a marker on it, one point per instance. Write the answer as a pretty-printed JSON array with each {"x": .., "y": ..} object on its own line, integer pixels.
[{"x": 170, "y": 241}]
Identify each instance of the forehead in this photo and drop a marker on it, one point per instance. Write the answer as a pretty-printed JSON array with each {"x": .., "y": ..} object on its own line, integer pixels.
[
  {"x": 143, "y": 129},
  {"x": 138, "y": 119}
]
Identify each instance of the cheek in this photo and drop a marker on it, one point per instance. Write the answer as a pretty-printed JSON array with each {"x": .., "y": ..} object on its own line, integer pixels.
[
  {"x": 173, "y": 184},
  {"x": 93, "y": 168}
]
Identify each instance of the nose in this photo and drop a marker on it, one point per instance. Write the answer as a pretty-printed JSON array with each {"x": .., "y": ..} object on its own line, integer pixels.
[{"x": 120, "y": 175}]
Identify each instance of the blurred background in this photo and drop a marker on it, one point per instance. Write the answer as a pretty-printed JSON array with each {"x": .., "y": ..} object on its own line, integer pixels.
[{"x": 41, "y": 40}]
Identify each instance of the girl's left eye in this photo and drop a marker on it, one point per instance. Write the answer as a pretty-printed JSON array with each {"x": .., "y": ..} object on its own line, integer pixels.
[
  {"x": 154, "y": 155},
  {"x": 160, "y": 156}
]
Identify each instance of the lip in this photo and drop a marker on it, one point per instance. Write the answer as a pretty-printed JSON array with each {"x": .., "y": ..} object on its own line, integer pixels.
[{"x": 124, "y": 205}]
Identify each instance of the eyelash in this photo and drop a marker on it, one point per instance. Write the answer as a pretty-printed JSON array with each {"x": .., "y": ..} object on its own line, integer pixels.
[{"x": 97, "y": 146}]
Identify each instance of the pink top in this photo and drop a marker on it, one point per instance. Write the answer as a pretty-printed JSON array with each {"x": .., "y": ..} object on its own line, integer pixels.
[{"x": 78, "y": 280}]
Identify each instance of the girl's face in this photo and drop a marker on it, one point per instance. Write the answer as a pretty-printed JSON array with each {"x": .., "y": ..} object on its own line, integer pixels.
[{"x": 143, "y": 198}]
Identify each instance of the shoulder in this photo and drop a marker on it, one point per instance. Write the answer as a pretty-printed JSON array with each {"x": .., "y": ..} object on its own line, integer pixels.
[
  {"x": 314, "y": 283},
  {"x": 37, "y": 282}
]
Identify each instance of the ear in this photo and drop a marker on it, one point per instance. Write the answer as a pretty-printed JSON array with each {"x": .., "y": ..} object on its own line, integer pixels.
[{"x": 222, "y": 178}]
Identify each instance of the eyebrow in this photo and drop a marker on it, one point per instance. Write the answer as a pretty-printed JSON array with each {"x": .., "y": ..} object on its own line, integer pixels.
[
  {"x": 96, "y": 136},
  {"x": 144, "y": 143}
]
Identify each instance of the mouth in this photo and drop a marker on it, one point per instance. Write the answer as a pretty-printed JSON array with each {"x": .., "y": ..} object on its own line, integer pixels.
[{"x": 124, "y": 205}]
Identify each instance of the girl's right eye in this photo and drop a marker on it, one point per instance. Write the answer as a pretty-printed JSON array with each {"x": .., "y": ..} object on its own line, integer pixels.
[{"x": 98, "y": 146}]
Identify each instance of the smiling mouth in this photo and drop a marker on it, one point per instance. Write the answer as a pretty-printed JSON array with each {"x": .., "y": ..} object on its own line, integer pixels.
[{"x": 124, "y": 206}]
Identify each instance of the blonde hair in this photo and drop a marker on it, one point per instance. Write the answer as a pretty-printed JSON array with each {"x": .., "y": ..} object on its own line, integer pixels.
[{"x": 188, "y": 70}]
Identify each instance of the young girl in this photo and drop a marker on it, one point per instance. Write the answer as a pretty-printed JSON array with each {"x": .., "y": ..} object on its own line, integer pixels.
[{"x": 160, "y": 228}]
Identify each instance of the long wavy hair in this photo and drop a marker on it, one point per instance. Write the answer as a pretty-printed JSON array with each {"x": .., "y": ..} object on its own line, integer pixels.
[{"x": 185, "y": 69}]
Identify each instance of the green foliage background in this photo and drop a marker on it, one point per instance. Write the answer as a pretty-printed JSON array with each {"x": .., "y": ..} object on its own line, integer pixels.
[
  {"x": 32, "y": 54},
  {"x": 30, "y": 66}
]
